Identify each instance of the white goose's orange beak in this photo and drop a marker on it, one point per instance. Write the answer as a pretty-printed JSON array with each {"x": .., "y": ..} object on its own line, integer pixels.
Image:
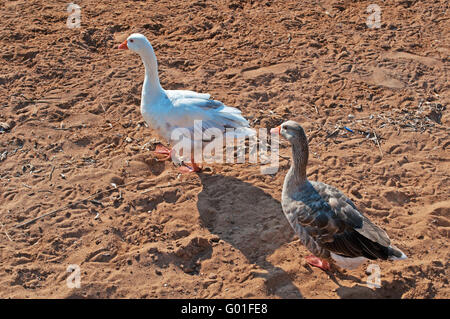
[
  {"x": 123, "y": 46},
  {"x": 276, "y": 130}
]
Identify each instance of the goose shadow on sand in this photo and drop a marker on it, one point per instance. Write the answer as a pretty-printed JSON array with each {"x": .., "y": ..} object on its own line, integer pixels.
[{"x": 252, "y": 221}]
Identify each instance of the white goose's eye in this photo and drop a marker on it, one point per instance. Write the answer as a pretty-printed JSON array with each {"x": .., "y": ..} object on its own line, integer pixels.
[{"x": 131, "y": 40}]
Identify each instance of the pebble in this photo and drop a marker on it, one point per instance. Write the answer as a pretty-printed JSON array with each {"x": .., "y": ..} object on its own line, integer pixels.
[
  {"x": 3, "y": 156},
  {"x": 4, "y": 127}
]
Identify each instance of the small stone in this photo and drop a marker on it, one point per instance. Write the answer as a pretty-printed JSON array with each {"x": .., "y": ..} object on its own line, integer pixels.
[
  {"x": 390, "y": 182},
  {"x": 4, "y": 127},
  {"x": 437, "y": 263},
  {"x": 3, "y": 156},
  {"x": 116, "y": 180}
]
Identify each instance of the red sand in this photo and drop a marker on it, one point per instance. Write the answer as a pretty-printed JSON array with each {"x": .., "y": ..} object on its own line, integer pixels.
[{"x": 71, "y": 99}]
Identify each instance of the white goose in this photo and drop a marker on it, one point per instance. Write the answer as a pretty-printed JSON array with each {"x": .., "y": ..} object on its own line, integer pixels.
[
  {"x": 326, "y": 221},
  {"x": 166, "y": 110}
]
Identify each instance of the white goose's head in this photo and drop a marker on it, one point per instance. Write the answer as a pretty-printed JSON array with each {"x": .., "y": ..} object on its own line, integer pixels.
[{"x": 136, "y": 42}]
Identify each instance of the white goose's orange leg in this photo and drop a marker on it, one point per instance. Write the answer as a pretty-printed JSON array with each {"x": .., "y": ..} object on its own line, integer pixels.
[
  {"x": 161, "y": 149},
  {"x": 194, "y": 167}
]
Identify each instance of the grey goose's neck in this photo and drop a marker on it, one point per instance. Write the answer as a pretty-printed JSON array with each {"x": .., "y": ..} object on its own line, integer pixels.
[{"x": 296, "y": 176}]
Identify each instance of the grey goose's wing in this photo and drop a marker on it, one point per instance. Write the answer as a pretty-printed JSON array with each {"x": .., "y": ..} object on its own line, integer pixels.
[{"x": 334, "y": 222}]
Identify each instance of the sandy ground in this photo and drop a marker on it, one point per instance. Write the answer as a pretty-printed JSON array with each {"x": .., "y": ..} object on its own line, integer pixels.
[{"x": 72, "y": 126}]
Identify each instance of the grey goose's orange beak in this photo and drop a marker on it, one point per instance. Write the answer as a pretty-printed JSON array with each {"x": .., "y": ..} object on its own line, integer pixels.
[{"x": 276, "y": 130}]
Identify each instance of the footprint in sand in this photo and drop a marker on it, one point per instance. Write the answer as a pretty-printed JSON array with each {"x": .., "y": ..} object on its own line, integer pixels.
[{"x": 380, "y": 77}]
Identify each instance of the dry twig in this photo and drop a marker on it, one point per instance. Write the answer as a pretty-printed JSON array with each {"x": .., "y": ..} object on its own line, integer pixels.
[{"x": 6, "y": 233}]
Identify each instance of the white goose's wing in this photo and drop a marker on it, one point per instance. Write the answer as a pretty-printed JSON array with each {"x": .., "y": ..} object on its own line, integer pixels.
[
  {"x": 189, "y": 106},
  {"x": 181, "y": 94}
]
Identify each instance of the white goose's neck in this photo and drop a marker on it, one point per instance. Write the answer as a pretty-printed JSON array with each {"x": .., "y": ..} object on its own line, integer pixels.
[{"x": 151, "y": 88}]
